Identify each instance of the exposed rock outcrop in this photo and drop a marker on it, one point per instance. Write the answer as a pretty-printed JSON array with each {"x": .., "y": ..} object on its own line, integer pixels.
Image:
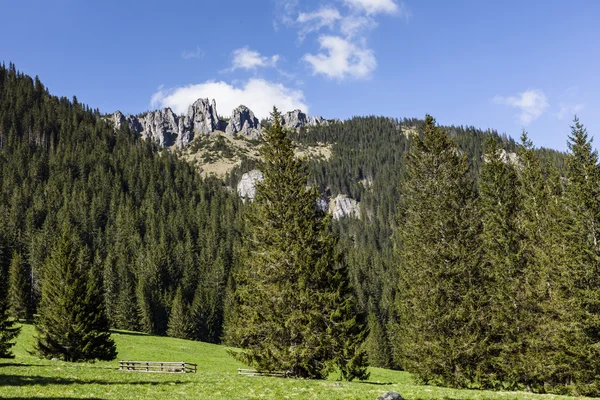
[
  {"x": 243, "y": 122},
  {"x": 246, "y": 187},
  {"x": 343, "y": 206},
  {"x": 297, "y": 119},
  {"x": 340, "y": 207},
  {"x": 165, "y": 128},
  {"x": 201, "y": 119},
  {"x": 323, "y": 203},
  {"x": 507, "y": 158},
  {"x": 160, "y": 126}
]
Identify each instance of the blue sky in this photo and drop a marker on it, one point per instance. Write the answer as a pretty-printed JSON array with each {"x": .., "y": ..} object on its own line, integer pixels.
[{"x": 505, "y": 65}]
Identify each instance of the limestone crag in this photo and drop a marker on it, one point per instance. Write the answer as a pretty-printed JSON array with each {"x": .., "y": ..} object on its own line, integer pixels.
[
  {"x": 160, "y": 126},
  {"x": 201, "y": 119},
  {"x": 340, "y": 207},
  {"x": 243, "y": 122},
  {"x": 246, "y": 187},
  {"x": 343, "y": 206},
  {"x": 165, "y": 128},
  {"x": 297, "y": 119}
]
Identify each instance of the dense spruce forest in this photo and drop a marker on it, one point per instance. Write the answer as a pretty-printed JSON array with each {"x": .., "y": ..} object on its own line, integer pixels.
[
  {"x": 160, "y": 237},
  {"x": 471, "y": 269}
]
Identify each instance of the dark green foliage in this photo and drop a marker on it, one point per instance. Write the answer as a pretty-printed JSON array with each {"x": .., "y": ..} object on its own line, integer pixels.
[
  {"x": 61, "y": 162},
  {"x": 579, "y": 309},
  {"x": 295, "y": 311},
  {"x": 18, "y": 288},
  {"x": 438, "y": 327},
  {"x": 8, "y": 329},
  {"x": 72, "y": 325},
  {"x": 503, "y": 269},
  {"x": 179, "y": 321}
]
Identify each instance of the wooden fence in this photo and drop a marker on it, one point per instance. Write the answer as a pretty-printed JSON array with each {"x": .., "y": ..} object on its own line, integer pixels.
[{"x": 157, "y": 366}]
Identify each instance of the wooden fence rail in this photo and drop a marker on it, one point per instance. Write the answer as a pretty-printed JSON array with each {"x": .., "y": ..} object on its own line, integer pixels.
[
  {"x": 253, "y": 372},
  {"x": 180, "y": 367}
]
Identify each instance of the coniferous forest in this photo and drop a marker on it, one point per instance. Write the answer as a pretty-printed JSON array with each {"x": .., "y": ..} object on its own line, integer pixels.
[{"x": 467, "y": 268}]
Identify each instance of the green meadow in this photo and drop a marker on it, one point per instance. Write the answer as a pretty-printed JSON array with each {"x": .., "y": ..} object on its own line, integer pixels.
[{"x": 28, "y": 377}]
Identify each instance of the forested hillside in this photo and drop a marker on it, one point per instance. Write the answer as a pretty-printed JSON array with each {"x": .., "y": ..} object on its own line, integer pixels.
[
  {"x": 510, "y": 270},
  {"x": 153, "y": 227}
]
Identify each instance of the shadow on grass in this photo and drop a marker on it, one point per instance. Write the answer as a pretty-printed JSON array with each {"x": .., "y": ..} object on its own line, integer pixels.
[
  {"x": 131, "y": 333},
  {"x": 49, "y": 398},
  {"x": 17, "y": 364},
  {"x": 376, "y": 383},
  {"x": 23, "y": 380}
]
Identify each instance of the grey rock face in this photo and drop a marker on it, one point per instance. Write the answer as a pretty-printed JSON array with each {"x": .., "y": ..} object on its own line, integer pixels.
[
  {"x": 297, "y": 119},
  {"x": 246, "y": 188},
  {"x": 294, "y": 119},
  {"x": 317, "y": 121},
  {"x": 243, "y": 122},
  {"x": 165, "y": 128},
  {"x": 161, "y": 126},
  {"x": 323, "y": 203},
  {"x": 118, "y": 119},
  {"x": 510, "y": 158},
  {"x": 343, "y": 206},
  {"x": 390, "y": 396}
]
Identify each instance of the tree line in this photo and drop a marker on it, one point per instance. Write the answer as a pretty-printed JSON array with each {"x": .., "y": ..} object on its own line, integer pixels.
[{"x": 468, "y": 269}]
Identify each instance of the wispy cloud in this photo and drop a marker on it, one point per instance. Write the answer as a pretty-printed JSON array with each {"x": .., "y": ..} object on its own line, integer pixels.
[
  {"x": 341, "y": 58},
  {"x": 374, "y": 6},
  {"x": 568, "y": 110},
  {"x": 531, "y": 103},
  {"x": 326, "y": 16},
  {"x": 258, "y": 94},
  {"x": 341, "y": 27},
  {"x": 570, "y": 104},
  {"x": 244, "y": 58},
  {"x": 190, "y": 54}
]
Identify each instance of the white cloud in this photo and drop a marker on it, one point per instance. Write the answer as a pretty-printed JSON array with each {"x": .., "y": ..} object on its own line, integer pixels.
[
  {"x": 341, "y": 59},
  {"x": 532, "y": 103},
  {"x": 374, "y": 6},
  {"x": 257, "y": 94},
  {"x": 313, "y": 22},
  {"x": 249, "y": 59},
  {"x": 189, "y": 54},
  {"x": 568, "y": 110},
  {"x": 352, "y": 25}
]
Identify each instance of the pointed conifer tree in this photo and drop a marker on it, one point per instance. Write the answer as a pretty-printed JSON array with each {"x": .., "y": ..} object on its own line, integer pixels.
[
  {"x": 18, "y": 288},
  {"x": 437, "y": 335},
  {"x": 179, "y": 323},
  {"x": 499, "y": 204},
  {"x": 580, "y": 275},
  {"x": 8, "y": 329},
  {"x": 295, "y": 310},
  {"x": 72, "y": 323}
]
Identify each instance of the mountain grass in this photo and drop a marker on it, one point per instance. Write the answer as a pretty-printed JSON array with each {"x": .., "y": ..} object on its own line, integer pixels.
[{"x": 27, "y": 376}]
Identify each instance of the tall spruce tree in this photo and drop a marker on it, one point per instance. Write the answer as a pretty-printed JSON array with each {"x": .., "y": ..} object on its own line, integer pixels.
[
  {"x": 437, "y": 335},
  {"x": 72, "y": 324},
  {"x": 179, "y": 321},
  {"x": 294, "y": 307},
  {"x": 539, "y": 300},
  {"x": 499, "y": 204},
  {"x": 18, "y": 288},
  {"x": 8, "y": 329},
  {"x": 580, "y": 276}
]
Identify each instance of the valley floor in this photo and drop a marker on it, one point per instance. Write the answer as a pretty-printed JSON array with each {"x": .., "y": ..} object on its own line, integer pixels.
[{"x": 27, "y": 377}]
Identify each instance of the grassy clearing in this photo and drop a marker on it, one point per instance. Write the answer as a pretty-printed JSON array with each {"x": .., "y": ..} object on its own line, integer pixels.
[{"x": 27, "y": 377}]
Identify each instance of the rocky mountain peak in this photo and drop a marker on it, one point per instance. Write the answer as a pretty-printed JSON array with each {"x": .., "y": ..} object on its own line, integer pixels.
[
  {"x": 166, "y": 128},
  {"x": 243, "y": 122}
]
